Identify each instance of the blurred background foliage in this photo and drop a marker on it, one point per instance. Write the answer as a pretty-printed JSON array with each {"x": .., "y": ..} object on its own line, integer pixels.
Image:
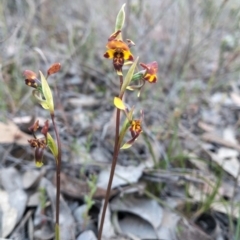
[{"x": 196, "y": 44}]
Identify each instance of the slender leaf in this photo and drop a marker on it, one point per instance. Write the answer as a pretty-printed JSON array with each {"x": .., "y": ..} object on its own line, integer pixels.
[
  {"x": 120, "y": 19},
  {"x": 123, "y": 131},
  {"x": 126, "y": 146},
  {"x": 129, "y": 76},
  {"x": 47, "y": 93},
  {"x": 52, "y": 145},
  {"x": 40, "y": 100}
]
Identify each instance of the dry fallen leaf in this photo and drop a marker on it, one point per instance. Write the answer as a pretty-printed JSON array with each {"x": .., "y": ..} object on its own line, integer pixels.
[
  {"x": 87, "y": 235},
  {"x": 168, "y": 226},
  {"x": 66, "y": 220},
  {"x": 10, "y": 133},
  {"x": 235, "y": 98},
  {"x": 9, "y": 215},
  {"x": 227, "y": 208},
  {"x": 44, "y": 233},
  {"x": 77, "y": 189},
  {"x": 147, "y": 209},
  {"x": 83, "y": 101},
  {"x": 206, "y": 126},
  {"x": 123, "y": 175},
  {"x": 31, "y": 178},
  {"x": 13, "y": 201},
  {"x": 226, "y": 156},
  {"x": 190, "y": 232},
  {"x": 228, "y": 159},
  {"x": 134, "y": 226},
  {"x": 108, "y": 230}
]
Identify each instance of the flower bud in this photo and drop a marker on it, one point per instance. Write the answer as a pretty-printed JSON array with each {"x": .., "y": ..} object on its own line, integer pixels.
[
  {"x": 34, "y": 127},
  {"x": 45, "y": 128},
  {"x": 54, "y": 69},
  {"x": 120, "y": 19}
]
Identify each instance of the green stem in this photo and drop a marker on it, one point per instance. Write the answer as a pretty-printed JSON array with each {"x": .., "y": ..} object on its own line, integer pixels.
[
  {"x": 114, "y": 163},
  {"x": 58, "y": 171}
]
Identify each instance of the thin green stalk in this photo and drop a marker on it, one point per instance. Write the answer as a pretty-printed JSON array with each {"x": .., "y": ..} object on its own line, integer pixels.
[
  {"x": 237, "y": 234},
  {"x": 58, "y": 171},
  {"x": 114, "y": 163}
]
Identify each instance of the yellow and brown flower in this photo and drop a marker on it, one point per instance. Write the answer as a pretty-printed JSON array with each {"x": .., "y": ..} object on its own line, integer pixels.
[
  {"x": 118, "y": 51},
  {"x": 135, "y": 128},
  {"x": 31, "y": 79},
  {"x": 39, "y": 144},
  {"x": 151, "y": 71}
]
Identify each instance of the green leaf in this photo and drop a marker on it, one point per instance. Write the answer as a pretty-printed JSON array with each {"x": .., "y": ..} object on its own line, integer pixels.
[
  {"x": 52, "y": 145},
  {"x": 126, "y": 146},
  {"x": 44, "y": 105},
  {"x": 120, "y": 19},
  {"x": 129, "y": 76},
  {"x": 126, "y": 125},
  {"x": 123, "y": 131},
  {"x": 40, "y": 100},
  {"x": 119, "y": 103},
  {"x": 130, "y": 114},
  {"x": 47, "y": 93}
]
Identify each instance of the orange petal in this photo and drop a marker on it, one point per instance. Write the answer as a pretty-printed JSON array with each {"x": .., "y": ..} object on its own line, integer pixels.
[
  {"x": 117, "y": 44},
  {"x": 28, "y": 74}
]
